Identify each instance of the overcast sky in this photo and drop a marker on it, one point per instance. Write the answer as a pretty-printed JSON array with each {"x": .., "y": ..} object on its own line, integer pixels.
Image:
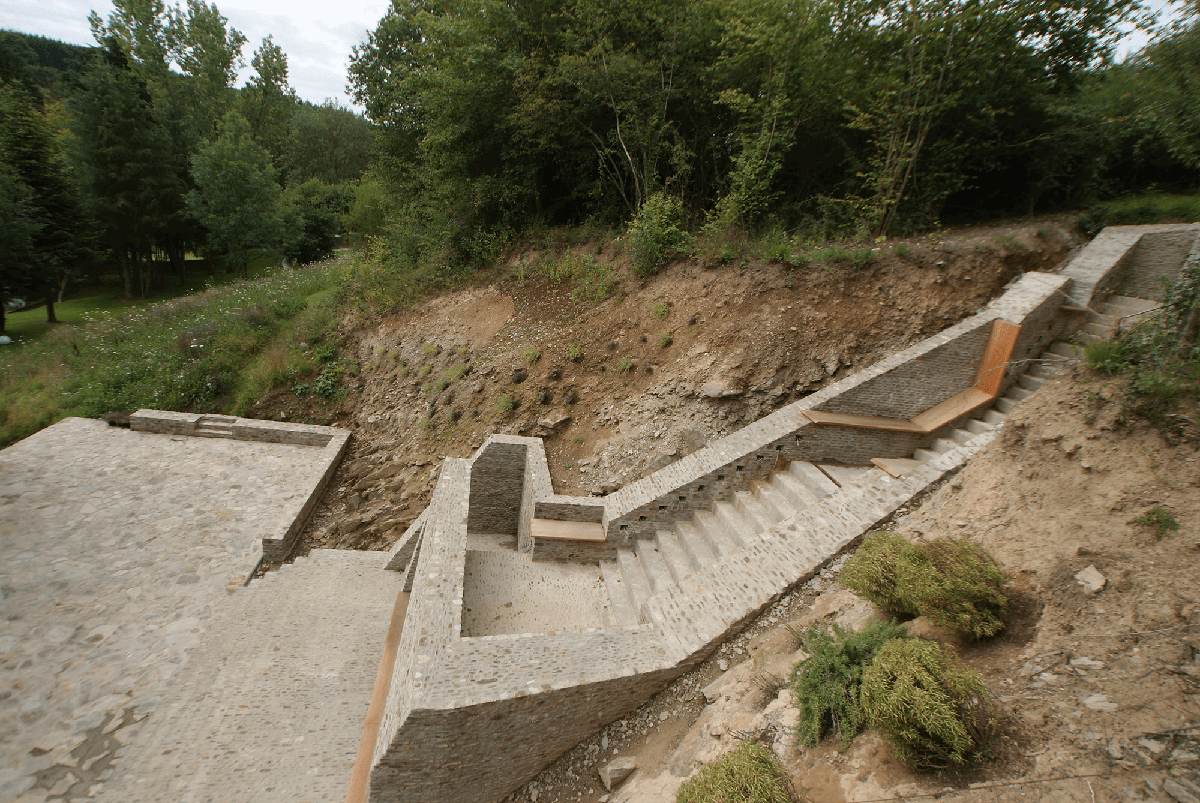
[{"x": 316, "y": 35}]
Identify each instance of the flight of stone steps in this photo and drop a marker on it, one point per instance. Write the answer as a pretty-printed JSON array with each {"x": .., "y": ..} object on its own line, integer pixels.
[
  {"x": 270, "y": 706},
  {"x": 1116, "y": 315},
  {"x": 672, "y": 556}
]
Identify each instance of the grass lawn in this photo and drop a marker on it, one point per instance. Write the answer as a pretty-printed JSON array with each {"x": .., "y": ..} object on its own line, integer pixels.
[{"x": 27, "y": 326}]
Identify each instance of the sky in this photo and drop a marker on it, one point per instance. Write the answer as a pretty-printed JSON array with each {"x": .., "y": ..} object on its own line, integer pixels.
[{"x": 316, "y": 35}]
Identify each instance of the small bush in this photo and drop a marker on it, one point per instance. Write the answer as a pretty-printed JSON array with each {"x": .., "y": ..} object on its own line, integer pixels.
[
  {"x": 1007, "y": 242},
  {"x": 664, "y": 339},
  {"x": 655, "y": 234},
  {"x": 750, "y": 774},
  {"x": 900, "y": 250},
  {"x": 505, "y": 404},
  {"x": 1105, "y": 355},
  {"x": 532, "y": 355},
  {"x": 861, "y": 257},
  {"x": 826, "y": 684},
  {"x": 457, "y": 371},
  {"x": 574, "y": 352},
  {"x": 660, "y": 310},
  {"x": 953, "y": 582},
  {"x": 325, "y": 352},
  {"x": 626, "y": 364},
  {"x": 934, "y": 712},
  {"x": 1158, "y": 520}
]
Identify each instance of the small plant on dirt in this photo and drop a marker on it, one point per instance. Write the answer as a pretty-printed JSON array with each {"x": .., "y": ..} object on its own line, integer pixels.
[
  {"x": 1044, "y": 233},
  {"x": 505, "y": 404},
  {"x": 325, "y": 352},
  {"x": 750, "y": 774},
  {"x": 1158, "y": 520},
  {"x": 574, "y": 352},
  {"x": 953, "y": 582},
  {"x": 1007, "y": 242},
  {"x": 326, "y": 385},
  {"x": 934, "y": 712},
  {"x": 826, "y": 684},
  {"x": 532, "y": 355},
  {"x": 861, "y": 257},
  {"x": 655, "y": 234},
  {"x": 661, "y": 310},
  {"x": 425, "y": 423},
  {"x": 1105, "y": 355},
  {"x": 664, "y": 339},
  {"x": 626, "y": 364},
  {"x": 830, "y": 255},
  {"x": 577, "y": 441},
  {"x": 900, "y": 250},
  {"x": 428, "y": 349},
  {"x": 426, "y": 370},
  {"x": 457, "y": 371}
]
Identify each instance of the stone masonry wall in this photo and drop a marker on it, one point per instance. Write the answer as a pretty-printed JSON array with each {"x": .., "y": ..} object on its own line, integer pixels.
[
  {"x": 165, "y": 422},
  {"x": 1157, "y": 259},
  {"x": 497, "y": 478}
]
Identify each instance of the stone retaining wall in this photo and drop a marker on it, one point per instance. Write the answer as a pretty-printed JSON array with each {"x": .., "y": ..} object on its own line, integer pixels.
[{"x": 497, "y": 480}]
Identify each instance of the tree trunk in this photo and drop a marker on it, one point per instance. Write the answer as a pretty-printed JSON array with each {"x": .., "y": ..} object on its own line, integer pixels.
[
  {"x": 3, "y": 301},
  {"x": 50, "y": 306},
  {"x": 125, "y": 270},
  {"x": 175, "y": 254}
]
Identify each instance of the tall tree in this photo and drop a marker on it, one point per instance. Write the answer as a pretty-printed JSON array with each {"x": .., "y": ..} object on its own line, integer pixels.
[
  {"x": 237, "y": 197},
  {"x": 268, "y": 103},
  {"x": 209, "y": 52},
  {"x": 328, "y": 142}
]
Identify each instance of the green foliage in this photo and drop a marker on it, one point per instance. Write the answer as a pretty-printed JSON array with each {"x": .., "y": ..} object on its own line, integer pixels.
[
  {"x": 1105, "y": 355},
  {"x": 1007, "y": 242},
  {"x": 664, "y": 339},
  {"x": 574, "y": 352},
  {"x": 953, "y": 582},
  {"x": 655, "y": 234},
  {"x": 532, "y": 355},
  {"x": 457, "y": 371},
  {"x": 900, "y": 250},
  {"x": 1142, "y": 208},
  {"x": 315, "y": 211},
  {"x": 325, "y": 352},
  {"x": 1158, "y": 520},
  {"x": 505, "y": 404},
  {"x": 826, "y": 683},
  {"x": 660, "y": 310},
  {"x": 935, "y": 713},
  {"x": 750, "y": 774},
  {"x": 625, "y": 365},
  {"x": 329, "y": 143},
  {"x": 861, "y": 257}
]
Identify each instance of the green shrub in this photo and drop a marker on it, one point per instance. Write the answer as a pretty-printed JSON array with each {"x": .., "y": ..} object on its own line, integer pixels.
[
  {"x": 750, "y": 774},
  {"x": 655, "y": 234},
  {"x": 626, "y": 364},
  {"x": 900, "y": 250},
  {"x": 664, "y": 339},
  {"x": 532, "y": 355},
  {"x": 1105, "y": 355},
  {"x": 934, "y": 712},
  {"x": 574, "y": 352},
  {"x": 952, "y": 582},
  {"x": 505, "y": 404},
  {"x": 1007, "y": 242},
  {"x": 861, "y": 257},
  {"x": 826, "y": 684},
  {"x": 457, "y": 371},
  {"x": 660, "y": 310},
  {"x": 1158, "y": 520}
]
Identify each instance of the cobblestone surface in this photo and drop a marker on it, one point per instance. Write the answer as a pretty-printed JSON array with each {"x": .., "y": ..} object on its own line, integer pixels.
[{"x": 116, "y": 549}]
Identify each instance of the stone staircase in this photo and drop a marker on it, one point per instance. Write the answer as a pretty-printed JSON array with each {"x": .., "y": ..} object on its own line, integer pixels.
[
  {"x": 270, "y": 706},
  {"x": 215, "y": 426},
  {"x": 674, "y": 555}
]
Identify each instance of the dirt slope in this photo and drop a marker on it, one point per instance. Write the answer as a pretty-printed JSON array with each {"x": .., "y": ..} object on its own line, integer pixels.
[{"x": 744, "y": 340}]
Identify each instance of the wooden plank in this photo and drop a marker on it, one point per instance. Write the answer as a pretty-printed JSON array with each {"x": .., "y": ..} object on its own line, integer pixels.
[
  {"x": 566, "y": 530},
  {"x": 861, "y": 421},
  {"x": 954, "y": 407},
  {"x": 897, "y": 466},
  {"x": 996, "y": 355}
]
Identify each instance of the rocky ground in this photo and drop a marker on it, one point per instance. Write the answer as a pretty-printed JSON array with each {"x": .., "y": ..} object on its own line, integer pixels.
[
  {"x": 1098, "y": 685},
  {"x": 744, "y": 339}
]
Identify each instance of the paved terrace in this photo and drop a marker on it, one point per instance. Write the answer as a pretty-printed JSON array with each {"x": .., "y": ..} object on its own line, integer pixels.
[{"x": 116, "y": 550}]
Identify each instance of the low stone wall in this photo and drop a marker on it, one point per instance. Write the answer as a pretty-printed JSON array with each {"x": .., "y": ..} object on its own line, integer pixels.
[
  {"x": 1157, "y": 260},
  {"x": 1116, "y": 258}
]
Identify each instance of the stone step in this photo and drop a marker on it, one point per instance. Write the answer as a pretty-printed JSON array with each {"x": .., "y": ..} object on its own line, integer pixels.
[
  {"x": 618, "y": 595},
  {"x": 1005, "y": 405},
  {"x": 812, "y": 478},
  {"x": 636, "y": 581},
  {"x": 270, "y": 706},
  {"x": 943, "y": 445},
  {"x": 924, "y": 455},
  {"x": 775, "y": 501},
  {"x": 695, "y": 545},
  {"x": 961, "y": 436},
  {"x": 1099, "y": 330},
  {"x": 977, "y": 427},
  {"x": 725, "y": 529},
  {"x": 1132, "y": 303},
  {"x": 793, "y": 490},
  {"x": 673, "y": 554},
  {"x": 1030, "y": 382},
  {"x": 1102, "y": 319},
  {"x": 1018, "y": 393},
  {"x": 1066, "y": 349},
  {"x": 1045, "y": 370},
  {"x": 653, "y": 564},
  {"x": 844, "y": 475},
  {"x": 753, "y": 511},
  {"x": 994, "y": 417}
]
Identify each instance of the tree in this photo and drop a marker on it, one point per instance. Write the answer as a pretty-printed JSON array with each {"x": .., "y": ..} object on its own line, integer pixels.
[
  {"x": 210, "y": 53},
  {"x": 17, "y": 236},
  {"x": 268, "y": 103},
  {"x": 1170, "y": 73},
  {"x": 328, "y": 142},
  {"x": 237, "y": 198}
]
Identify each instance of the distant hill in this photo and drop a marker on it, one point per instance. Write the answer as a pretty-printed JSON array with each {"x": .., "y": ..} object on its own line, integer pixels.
[{"x": 50, "y": 59}]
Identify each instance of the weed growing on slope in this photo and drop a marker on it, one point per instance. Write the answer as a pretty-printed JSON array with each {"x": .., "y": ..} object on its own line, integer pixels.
[
  {"x": 1158, "y": 520},
  {"x": 750, "y": 774}
]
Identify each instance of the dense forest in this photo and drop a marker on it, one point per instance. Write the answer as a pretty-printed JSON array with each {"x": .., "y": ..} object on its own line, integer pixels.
[
  {"x": 713, "y": 118},
  {"x": 129, "y": 156}
]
